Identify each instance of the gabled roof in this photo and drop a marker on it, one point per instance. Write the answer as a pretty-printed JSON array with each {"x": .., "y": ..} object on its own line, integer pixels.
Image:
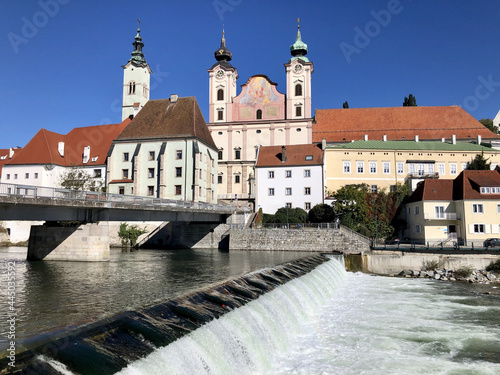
[
  {"x": 412, "y": 146},
  {"x": 5, "y": 155},
  {"x": 43, "y": 147},
  {"x": 295, "y": 155},
  {"x": 433, "y": 190},
  {"x": 397, "y": 123},
  {"x": 163, "y": 119}
]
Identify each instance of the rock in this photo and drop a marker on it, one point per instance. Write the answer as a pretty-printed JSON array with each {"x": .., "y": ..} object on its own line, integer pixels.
[
  {"x": 444, "y": 278},
  {"x": 452, "y": 279},
  {"x": 437, "y": 276}
]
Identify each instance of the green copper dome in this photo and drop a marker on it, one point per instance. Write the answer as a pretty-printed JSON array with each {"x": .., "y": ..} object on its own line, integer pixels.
[
  {"x": 137, "y": 55},
  {"x": 299, "y": 48}
]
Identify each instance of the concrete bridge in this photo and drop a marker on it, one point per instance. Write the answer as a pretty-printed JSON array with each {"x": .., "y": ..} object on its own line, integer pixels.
[{"x": 89, "y": 240}]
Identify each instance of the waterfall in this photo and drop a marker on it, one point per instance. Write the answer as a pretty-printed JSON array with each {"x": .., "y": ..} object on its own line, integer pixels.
[{"x": 246, "y": 339}]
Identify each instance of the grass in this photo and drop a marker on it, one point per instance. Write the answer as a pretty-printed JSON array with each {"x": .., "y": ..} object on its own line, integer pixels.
[
  {"x": 431, "y": 265},
  {"x": 494, "y": 266},
  {"x": 463, "y": 271}
]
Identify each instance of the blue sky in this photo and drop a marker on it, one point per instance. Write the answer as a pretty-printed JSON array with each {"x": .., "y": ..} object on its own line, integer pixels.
[{"x": 62, "y": 58}]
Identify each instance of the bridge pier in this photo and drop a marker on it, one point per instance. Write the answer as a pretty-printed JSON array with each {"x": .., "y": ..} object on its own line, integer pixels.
[{"x": 80, "y": 242}]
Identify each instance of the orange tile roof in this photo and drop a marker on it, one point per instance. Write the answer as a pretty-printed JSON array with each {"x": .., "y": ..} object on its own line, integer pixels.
[
  {"x": 43, "y": 147},
  {"x": 4, "y": 156},
  {"x": 397, "y": 123},
  {"x": 433, "y": 190},
  {"x": 271, "y": 156}
]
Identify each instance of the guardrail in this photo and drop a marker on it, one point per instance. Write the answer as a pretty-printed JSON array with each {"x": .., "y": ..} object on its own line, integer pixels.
[
  {"x": 95, "y": 196},
  {"x": 442, "y": 216},
  {"x": 301, "y": 226}
]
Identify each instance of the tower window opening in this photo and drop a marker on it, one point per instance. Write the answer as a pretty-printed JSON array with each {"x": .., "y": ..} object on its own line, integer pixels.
[
  {"x": 220, "y": 94},
  {"x": 298, "y": 89},
  {"x": 298, "y": 112},
  {"x": 220, "y": 115},
  {"x": 131, "y": 88},
  {"x": 259, "y": 114}
]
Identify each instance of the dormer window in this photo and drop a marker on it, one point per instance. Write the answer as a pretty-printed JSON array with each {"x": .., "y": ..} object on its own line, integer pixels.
[
  {"x": 490, "y": 190},
  {"x": 309, "y": 157}
]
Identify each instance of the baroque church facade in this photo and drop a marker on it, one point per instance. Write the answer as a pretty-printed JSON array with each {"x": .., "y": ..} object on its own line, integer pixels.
[{"x": 258, "y": 116}]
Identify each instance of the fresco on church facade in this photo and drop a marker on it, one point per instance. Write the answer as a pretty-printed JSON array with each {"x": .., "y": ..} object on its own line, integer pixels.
[{"x": 259, "y": 93}]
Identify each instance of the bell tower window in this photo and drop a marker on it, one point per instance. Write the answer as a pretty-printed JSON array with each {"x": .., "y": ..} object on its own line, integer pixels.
[
  {"x": 220, "y": 115},
  {"x": 220, "y": 94},
  {"x": 258, "y": 115},
  {"x": 131, "y": 88},
  {"x": 298, "y": 111},
  {"x": 298, "y": 89}
]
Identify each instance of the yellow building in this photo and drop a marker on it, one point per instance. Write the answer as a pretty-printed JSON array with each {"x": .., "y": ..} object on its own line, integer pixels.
[{"x": 383, "y": 164}]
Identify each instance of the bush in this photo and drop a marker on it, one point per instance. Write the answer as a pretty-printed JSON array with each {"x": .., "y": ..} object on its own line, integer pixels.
[
  {"x": 321, "y": 213},
  {"x": 463, "y": 271},
  {"x": 129, "y": 234},
  {"x": 431, "y": 265},
  {"x": 494, "y": 266}
]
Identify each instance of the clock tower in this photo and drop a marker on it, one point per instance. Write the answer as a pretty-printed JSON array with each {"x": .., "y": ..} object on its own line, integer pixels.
[
  {"x": 222, "y": 76},
  {"x": 298, "y": 80},
  {"x": 136, "y": 78}
]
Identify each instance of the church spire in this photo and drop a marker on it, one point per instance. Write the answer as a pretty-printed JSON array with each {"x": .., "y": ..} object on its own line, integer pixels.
[
  {"x": 137, "y": 55},
  {"x": 222, "y": 53},
  {"x": 299, "y": 48}
]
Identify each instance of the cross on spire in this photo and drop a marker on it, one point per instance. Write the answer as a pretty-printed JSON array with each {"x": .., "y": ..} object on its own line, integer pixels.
[{"x": 298, "y": 23}]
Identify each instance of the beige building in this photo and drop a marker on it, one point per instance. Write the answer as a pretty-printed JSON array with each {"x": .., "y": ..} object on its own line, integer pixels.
[
  {"x": 383, "y": 164},
  {"x": 466, "y": 210}
]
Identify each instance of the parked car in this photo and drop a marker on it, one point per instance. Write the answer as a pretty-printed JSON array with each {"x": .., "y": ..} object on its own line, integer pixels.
[
  {"x": 393, "y": 241},
  {"x": 492, "y": 242}
]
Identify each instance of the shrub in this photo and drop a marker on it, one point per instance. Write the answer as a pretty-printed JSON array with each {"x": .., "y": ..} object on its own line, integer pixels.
[
  {"x": 129, "y": 234},
  {"x": 464, "y": 271},
  {"x": 431, "y": 265},
  {"x": 494, "y": 266}
]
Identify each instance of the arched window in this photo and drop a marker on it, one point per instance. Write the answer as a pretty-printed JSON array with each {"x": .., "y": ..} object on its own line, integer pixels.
[
  {"x": 220, "y": 94},
  {"x": 298, "y": 89},
  {"x": 259, "y": 114},
  {"x": 131, "y": 88}
]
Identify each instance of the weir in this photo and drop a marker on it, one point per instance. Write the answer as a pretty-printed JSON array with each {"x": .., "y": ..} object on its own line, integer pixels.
[{"x": 246, "y": 319}]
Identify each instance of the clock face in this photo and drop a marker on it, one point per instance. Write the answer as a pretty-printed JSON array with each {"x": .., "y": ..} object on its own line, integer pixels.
[
  {"x": 297, "y": 68},
  {"x": 220, "y": 73}
]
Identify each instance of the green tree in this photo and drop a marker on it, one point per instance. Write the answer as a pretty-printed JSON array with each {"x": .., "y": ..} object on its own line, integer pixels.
[
  {"x": 75, "y": 178},
  {"x": 410, "y": 101},
  {"x": 129, "y": 234},
  {"x": 479, "y": 163},
  {"x": 350, "y": 204},
  {"x": 488, "y": 124},
  {"x": 345, "y": 104},
  {"x": 287, "y": 215},
  {"x": 321, "y": 213}
]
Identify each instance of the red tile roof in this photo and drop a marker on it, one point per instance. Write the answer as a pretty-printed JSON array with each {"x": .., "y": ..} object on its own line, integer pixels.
[
  {"x": 433, "y": 190},
  {"x": 4, "y": 156},
  {"x": 43, "y": 147},
  {"x": 397, "y": 123},
  {"x": 295, "y": 155}
]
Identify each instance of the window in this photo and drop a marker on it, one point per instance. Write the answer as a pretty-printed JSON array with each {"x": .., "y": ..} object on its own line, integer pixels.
[
  {"x": 307, "y": 206},
  {"x": 220, "y": 115},
  {"x": 360, "y": 166},
  {"x": 270, "y": 174},
  {"x": 15, "y": 176},
  {"x": 151, "y": 190},
  {"x": 178, "y": 189},
  {"x": 125, "y": 156},
  {"x": 36, "y": 174},
  {"x": 441, "y": 168},
  {"x": 420, "y": 169},
  {"x": 309, "y": 157},
  {"x": 485, "y": 190},
  {"x": 97, "y": 173},
  {"x": 498, "y": 208},
  {"x": 26, "y": 175},
  {"x": 151, "y": 172},
  {"x": 479, "y": 228},
  {"x": 237, "y": 179},
  {"x": 288, "y": 174},
  {"x": 178, "y": 154},
  {"x": 307, "y": 173},
  {"x": 298, "y": 89},
  {"x": 219, "y": 179},
  {"x": 151, "y": 155},
  {"x": 439, "y": 212},
  {"x": 124, "y": 173},
  {"x": 237, "y": 154},
  {"x": 288, "y": 191},
  {"x": 220, "y": 94},
  {"x": 121, "y": 190},
  {"x": 298, "y": 111},
  {"x": 270, "y": 192},
  {"x": 201, "y": 174},
  {"x": 400, "y": 168},
  {"x": 8, "y": 176},
  {"x": 386, "y": 167},
  {"x": 178, "y": 171},
  {"x": 411, "y": 168},
  {"x": 201, "y": 156},
  {"x": 131, "y": 88},
  {"x": 417, "y": 209},
  {"x": 347, "y": 167},
  {"x": 416, "y": 228},
  {"x": 288, "y": 205},
  {"x": 307, "y": 191},
  {"x": 477, "y": 208},
  {"x": 430, "y": 168},
  {"x": 465, "y": 166},
  {"x": 453, "y": 168},
  {"x": 374, "y": 188},
  {"x": 373, "y": 167},
  {"x": 220, "y": 155},
  {"x": 258, "y": 114}
]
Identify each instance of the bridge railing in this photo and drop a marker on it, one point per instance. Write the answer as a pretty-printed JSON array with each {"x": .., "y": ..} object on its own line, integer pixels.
[{"x": 50, "y": 192}]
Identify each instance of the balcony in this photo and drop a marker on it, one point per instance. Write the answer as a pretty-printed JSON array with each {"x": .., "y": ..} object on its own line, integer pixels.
[
  {"x": 423, "y": 175},
  {"x": 442, "y": 216}
]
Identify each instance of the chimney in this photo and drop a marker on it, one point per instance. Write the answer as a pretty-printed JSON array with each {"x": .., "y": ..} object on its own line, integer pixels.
[
  {"x": 323, "y": 144},
  {"x": 173, "y": 98},
  {"x": 416, "y": 138},
  {"x": 479, "y": 140},
  {"x": 86, "y": 154},
  {"x": 60, "y": 148},
  {"x": 283, "y": 154},
  {"x": 384, "y": 137},
  {"x": 453, "y": 139},
  {"x": 366, "y": 137}
]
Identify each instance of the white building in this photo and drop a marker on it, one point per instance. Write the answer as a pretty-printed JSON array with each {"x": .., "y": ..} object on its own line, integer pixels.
[
  {"x": 496, "y": 121},
  {"x": 289, "y": 176}
]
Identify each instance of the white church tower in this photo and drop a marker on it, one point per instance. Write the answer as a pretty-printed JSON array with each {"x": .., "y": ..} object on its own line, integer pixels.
[
  {"x": 298, "y": 81},
  {"x": 136, "y": 78},
  {"x": 222, "y": 77}
]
